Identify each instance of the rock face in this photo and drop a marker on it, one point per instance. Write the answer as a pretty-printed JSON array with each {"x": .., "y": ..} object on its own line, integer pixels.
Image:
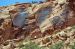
[
  {"x": 19, "y": 21},
  {"x": 36, "y": 20}
]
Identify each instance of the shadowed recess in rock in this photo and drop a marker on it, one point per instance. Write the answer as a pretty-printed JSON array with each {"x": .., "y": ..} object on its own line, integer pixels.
[{"x": 20, "y": 20}]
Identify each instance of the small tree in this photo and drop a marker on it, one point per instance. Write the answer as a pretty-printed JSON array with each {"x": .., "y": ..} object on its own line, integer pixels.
[
  {"x": 40, "y": 1},
  {"x": 34, "y": 2}
]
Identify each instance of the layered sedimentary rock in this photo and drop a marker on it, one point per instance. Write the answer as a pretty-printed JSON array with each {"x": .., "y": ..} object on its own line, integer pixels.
[{"x": 36, "y": 20}]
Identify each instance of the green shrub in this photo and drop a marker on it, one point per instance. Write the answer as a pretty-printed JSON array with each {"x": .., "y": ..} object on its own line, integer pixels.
[
  {"x": 72, "y": 46},
  {"x": 57, "y": 46},
  {"x": 30, "y": 45}
]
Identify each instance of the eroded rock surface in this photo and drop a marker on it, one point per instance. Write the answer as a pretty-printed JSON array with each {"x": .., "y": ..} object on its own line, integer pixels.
[{"x": 44, "y": 23}]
